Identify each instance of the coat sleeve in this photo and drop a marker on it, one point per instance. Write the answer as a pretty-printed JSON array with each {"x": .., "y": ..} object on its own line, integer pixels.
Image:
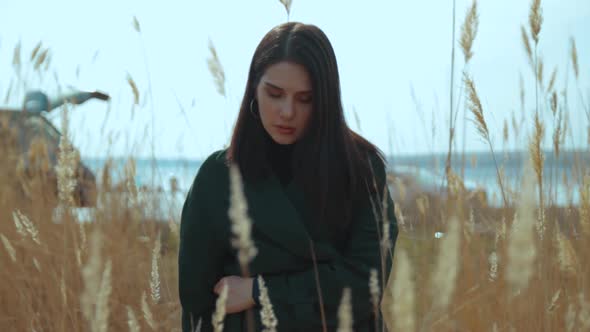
[
  {"x": 200, "y": 252},
  {"x": 295, "y": 296}
]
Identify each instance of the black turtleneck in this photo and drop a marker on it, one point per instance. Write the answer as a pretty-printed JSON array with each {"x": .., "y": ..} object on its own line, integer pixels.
[{"x": 279, "y": 157}]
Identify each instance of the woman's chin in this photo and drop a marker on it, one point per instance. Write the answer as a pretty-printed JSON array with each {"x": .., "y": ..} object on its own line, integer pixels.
[{"x": 283, "y": 139}]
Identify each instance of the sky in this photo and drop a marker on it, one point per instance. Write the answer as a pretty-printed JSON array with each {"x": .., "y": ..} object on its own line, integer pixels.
[{"x": 394, "y": 60}]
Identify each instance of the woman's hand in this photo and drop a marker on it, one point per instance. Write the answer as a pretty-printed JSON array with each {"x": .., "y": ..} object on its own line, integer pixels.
[{"x": 239, "y": 295}]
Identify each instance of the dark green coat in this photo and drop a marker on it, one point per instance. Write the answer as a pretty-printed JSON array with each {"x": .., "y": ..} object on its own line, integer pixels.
[{"x": 282, "y": 238}]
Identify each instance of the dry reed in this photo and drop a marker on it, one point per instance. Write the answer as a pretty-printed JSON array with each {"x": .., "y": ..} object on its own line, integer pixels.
[
  {"x": 267, "y": 315},
  {"x": 132, "y": 320},
  {"x": 552, "y": 79},
  {"x": 537, "y": 156},
  {"x": 527, "y": 45},
  {"x": 147, "y": 312},
  {"x": 155, "y": 272},
  {"x": 535, "y": 19},
  {"x": 345, "y": 319},
  {"x": 474, "y": 105},
  {"x": 469, "y": 31},
  {"x": 241, "y": 224},
  {"x": 401, "y": 309},
  {"x": 134, "y": 89},
  {"x": 287, "y": 5},
  {"x": 55, "y": 279},
  {"x": 35, "y": 51},
  {"x": 374, "y": 291},
  {"x": 9, "y": 248},
  {"x": 447, "y": 266},
  {"x": 219, "y": 314},
  {"x": 574, "y": 57},
  {"x": 216, "y": 69},
  {"x": 521, "y": 243},
  {"x": 136, "y": 25}
]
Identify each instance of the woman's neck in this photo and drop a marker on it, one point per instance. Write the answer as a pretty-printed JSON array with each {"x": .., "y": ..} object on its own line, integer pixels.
[{"x": 279, "y": 157}]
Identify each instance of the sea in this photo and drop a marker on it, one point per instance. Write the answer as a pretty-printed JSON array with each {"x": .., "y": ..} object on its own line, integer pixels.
[{"x": 562, "y": 175}]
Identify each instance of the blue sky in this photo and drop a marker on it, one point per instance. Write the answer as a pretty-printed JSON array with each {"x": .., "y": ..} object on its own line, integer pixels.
[{"x": 385, "y": 50}]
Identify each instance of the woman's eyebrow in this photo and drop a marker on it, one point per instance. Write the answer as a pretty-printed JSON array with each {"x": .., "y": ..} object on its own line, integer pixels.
[
  {"x": 273, "y": 86},
  {"x": 279, "y": 88}
]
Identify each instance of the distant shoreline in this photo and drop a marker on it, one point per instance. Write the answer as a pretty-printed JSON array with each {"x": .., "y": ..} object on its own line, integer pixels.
[{"x": 483, "y": 158}]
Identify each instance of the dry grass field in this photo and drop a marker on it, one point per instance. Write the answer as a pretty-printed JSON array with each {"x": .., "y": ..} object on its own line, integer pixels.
[{"x": 529, "y": 270}]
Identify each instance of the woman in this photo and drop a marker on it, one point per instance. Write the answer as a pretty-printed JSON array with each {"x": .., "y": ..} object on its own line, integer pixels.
[{"x": 313, "y": 189}]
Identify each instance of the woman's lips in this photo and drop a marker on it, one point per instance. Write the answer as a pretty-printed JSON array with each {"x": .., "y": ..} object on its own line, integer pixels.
[{"x": 285, "y": 130}]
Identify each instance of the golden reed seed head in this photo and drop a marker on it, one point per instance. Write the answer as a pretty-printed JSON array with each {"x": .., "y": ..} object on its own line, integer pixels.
[
  {"x": 147, "y": 312},
  {"x": 574, "y": 56},
  {"x": 219, "y": 314},
  {"x": 267, "y": 315},
  {"x": 345, "y": 319},
  {"x": 469, "y": 31},
  {"x": 521, "y": 243},
  {"x": 535, "y": 19},
  {"x": 132, "y": 320},
  {"x": 401, "y": 308},
  {"x": 241, "y": 223},
  {"x": 527, "y": 45},
  {"x": 216, "y": 69}
]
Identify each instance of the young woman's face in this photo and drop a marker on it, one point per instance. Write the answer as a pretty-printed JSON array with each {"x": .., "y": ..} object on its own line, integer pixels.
[{"x": 285, "y": 101}]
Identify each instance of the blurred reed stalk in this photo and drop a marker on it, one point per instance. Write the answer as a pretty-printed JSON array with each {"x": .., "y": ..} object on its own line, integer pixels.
[
  {"x": 477, "y": 110},
  {"x": 241, "y": 227}
]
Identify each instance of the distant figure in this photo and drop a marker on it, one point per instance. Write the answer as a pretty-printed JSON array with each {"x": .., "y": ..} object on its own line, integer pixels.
[{"x": 308, "y": 179}]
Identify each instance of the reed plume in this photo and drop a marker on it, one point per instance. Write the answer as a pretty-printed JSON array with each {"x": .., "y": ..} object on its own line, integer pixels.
[
  {"x": 553, "y": 303},
  {"x": 574, "y": 56},
  {"x": 374, "y": 291},
  {"x": 16, "y": 58},
  {"x": 100, "y": 320},
  {"x": 566, "y": 254},
  {"x": 134, "y": 89},
  {"x": 446, "y": 269},
  {"x": 132, "y": 320},
  {"x": 552, "y": 79},
  {"x": 521, "y": 243},
  {"x": 147, "y": 312},
  {"x": 584, "y": 207},
  {"x": 493, "y": 261},
  {"x": 66, "y": 166},
  {"x": 241, "y": 223},
  {"x": 287, "y": 5},
  {"x": 474, "y": 105},
  {"x": 91, "y": 277},
  {"x": 557, "y": 134},
  {"x": 535, "y": 19},
  {"x": 136, "y": 25},
  {"x": 219, "y": 314},
  {"x": 35, "y": 51},
  {"x": 402, "y": 292},
  {"x": 345, "y": 319},
  {"x": 155, "y": 272},
  {"x": 9, "y": 248},
  {"x": 267, "y": 315},
  {"x": 537, "y": 156},
  {"x": 469, "y": 31},
  {"x": 216, "y": 69},
  {"x": 527, "y": 45}
]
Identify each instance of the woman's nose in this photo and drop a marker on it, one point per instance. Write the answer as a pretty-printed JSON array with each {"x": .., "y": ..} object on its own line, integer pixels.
[{"x": 288, "y": 110}]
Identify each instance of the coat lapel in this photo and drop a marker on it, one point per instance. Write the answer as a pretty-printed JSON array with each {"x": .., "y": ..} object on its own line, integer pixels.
[{"x": 274, "y": 214}]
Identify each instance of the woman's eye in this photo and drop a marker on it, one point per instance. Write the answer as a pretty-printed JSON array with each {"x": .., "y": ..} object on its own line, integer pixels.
[
  {"x": 306, "y": 100},
  {"x": 274, "y": 95}
]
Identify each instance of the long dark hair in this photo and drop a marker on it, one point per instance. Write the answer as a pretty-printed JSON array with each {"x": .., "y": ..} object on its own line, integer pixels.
[{"x": 330, "y": 162}]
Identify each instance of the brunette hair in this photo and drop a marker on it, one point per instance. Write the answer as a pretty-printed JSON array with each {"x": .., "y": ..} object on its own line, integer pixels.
[{"x": 330, "y": 162}]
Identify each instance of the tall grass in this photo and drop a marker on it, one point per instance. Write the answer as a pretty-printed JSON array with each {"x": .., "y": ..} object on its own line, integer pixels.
[{"x": 523, "y": 266}]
